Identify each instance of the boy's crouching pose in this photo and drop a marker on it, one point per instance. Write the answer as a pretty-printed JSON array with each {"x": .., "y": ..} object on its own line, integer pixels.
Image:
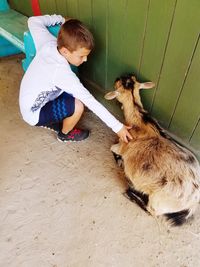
[{"x": 51, "y": 94}]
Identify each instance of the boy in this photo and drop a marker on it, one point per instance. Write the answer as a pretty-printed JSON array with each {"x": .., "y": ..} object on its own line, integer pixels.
[{"x": 51, "y": 94}]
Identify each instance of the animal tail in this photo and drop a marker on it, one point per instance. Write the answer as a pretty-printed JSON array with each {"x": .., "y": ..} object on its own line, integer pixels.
[
  {"x": 177, "y": 218},
  {"x": 137, "y": 197}
]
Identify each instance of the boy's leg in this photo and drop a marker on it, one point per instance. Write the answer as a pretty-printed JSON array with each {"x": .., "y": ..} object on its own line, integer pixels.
[
  {"x": 53, "y": 112},
  {"x": 69, "y": 133},
  {"x": 70, "y": 122},
  {"x": 65, "y": 110}
]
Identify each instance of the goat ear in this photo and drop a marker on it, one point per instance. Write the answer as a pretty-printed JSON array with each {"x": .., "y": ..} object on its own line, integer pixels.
[
  {"x": 111, "y": 95},
  {"x": 147, "y": 85}
]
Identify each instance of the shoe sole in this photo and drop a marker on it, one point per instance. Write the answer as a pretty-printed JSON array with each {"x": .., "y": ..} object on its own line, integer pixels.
[{"x": 50, "y": 129}]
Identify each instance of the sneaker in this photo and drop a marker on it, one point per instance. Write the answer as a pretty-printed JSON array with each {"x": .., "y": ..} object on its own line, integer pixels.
[
  {"x": 74, "y": 135},
  {"x": 55, "y": 127}
]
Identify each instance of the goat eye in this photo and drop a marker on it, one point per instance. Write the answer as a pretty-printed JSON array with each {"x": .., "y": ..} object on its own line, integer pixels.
[{"x": 129, "y": 84}]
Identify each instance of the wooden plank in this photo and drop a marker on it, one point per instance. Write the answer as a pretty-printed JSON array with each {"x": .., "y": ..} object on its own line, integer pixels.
[
  {"x": 116, "y": 34},
  {"x": 134, "y": 30},
  {"x": 187, "y": 111},
  {"x": 72, "y": 8},
  {"x": 98, "y": 57},
  {"x": 85, "y": 12},
  {"x": 184, "y": 31},
  {"x": 195, "y": 139},
  {"x": 61, "y": 8},
  {"x": 48, "y": 7},
  {"x": 12, "y": 27},
  {"x": 22, "y": 6},
  {"x": 85, "y": 16},
  {"x": 159, "y": 19}
]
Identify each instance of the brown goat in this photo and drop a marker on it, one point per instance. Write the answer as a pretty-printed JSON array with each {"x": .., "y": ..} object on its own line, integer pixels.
[{"x": 163, "y": 176}]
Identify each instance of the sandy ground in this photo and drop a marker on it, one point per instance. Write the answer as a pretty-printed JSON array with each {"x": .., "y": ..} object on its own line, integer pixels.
[{"x": 62, "y": 205}]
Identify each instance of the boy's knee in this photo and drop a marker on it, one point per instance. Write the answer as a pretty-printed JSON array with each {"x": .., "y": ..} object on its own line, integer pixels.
[{"x": 79, "y": 107}]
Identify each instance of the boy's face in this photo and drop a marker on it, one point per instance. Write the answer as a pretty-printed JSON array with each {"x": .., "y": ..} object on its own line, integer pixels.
[{"x": 76, "y": 57}]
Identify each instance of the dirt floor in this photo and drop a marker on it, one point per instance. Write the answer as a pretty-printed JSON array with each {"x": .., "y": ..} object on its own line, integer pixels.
[{"x": 62, "y": 205}]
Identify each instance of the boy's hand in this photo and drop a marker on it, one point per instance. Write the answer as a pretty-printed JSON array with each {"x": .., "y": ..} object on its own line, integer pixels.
[{"x": 124, "y": 134}]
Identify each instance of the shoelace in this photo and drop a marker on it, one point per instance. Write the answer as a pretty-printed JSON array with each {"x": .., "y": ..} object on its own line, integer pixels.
[{"x": 74, "y": 132}]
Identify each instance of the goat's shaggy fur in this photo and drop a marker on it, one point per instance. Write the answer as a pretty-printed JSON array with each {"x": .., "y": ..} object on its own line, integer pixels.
[{"x": 163, "y": 176}]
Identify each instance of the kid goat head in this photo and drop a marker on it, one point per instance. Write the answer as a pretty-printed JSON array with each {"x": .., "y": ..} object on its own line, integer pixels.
[{"x": 125, "y": 84}]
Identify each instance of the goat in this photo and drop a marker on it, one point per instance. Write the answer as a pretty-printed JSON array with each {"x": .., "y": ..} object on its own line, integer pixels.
[{"x": 163, "y": 176}]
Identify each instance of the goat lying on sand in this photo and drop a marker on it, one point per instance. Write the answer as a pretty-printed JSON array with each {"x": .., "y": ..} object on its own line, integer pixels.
[{"x": 163, "y": 176}]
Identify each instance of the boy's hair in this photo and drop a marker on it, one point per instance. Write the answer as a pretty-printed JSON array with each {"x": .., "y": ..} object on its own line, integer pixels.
[{"x": 73, "y": 34}]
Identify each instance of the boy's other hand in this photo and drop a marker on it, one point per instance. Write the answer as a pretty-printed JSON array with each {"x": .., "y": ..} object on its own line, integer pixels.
[{"x": 124, "y": 134}]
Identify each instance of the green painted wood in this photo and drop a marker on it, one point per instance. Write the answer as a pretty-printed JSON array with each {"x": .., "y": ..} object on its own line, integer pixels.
[
  {"x": 187, "y": 110},
  {"x": 86, "y": 17},
  {"x": 97, "y": 62},
  {"x": 134, "y": 28},
  {"x": 106, "y": 25},
  {"x": 61, "y": 8},
  {"x": 48, "y": 7},
  {"x": 22, "y": 6},
  {"x": 159, "y": 19},
  {"x": 184, "y": 33},
  {"x": 12, "y": 27},
  {"x": 85, "y": 12},
  {"x": 195, "y": 139},
  {"x": 116, "y": 34},
  {"x": 72, "y": 8}
]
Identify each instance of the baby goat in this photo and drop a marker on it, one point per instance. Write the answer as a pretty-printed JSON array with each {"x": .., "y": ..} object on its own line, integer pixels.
[{"x": 163, "y": 176}]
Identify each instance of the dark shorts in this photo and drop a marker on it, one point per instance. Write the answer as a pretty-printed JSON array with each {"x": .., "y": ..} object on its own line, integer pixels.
[{"x": 57, "y": 110}]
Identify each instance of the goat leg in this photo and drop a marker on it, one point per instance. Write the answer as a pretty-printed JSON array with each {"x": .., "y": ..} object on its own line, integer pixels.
[{"x": 138, "y": 197}]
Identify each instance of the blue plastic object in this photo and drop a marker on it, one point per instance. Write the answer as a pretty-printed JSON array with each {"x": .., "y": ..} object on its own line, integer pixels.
[
  {"x": 4, "y": 5},
  {"x": 7, "y": 49}
]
